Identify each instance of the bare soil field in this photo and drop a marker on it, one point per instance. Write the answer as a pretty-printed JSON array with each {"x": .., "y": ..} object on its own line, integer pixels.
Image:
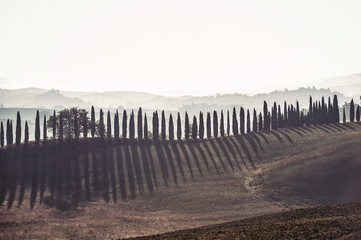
[{"x": 217, "y": 181}]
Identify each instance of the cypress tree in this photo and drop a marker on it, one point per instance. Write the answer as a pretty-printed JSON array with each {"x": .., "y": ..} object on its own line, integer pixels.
[
  {"x": 145, "y": 127},
  {"x": 8, "y": 133},
  {"x": 344, "y": 115},
  {"x": 37, "y": 128},
  {"x": 26, "y": 140},
  {"x": 352, "y": 111},
  {"x": 171, "y": 128},
  {"x": 109, "y": 127},
  {"x": 54, "y": 125},
  {"x": 329, "y": 111},
  {"x": 179, "y": 127},
  {"x": 92, "y": 121},
  {"x": 241, "y": 121},
  {"x": 11, "y": 132},
  {"x": 2, "y": 135},
  {"x": 101, "y": 124},
  {"x": 323, "y": 116},
  {"x": 335, "y": 109},
  {"x": 357, "y": 113},
  {"x": 235, "y": 122},
  {"x": 260, "y": 120},
  {"x": 124, "y": 124},
  {"x": 248, "y": 122},
  {"x": 131, "y": 126},
  {"x": 265, "y": 114},
  {"x": 18, "y": 129},
  {"x": 116, "y": 125},
  {"x": 85, "y": 124},
  {"x": 279, "y": 118},
  {"x": 76, "y": 126},
  {"x": 155, "y": 126},
  {"x": 209, "y": 129},
  {"x": 274, "y": 116},
  {"x": 45, "y": 131},
  {"x": 228, "y": 124},
  {"x": 201, "y": 126},
  {"x": 163, "y": 126},
  {"x": 61, "y": 130},
  {"x": 222, "y": 124},
  {"x": 285, "y": 115},
  {"x": 297, "y": 114},
  {"x": 254, "y": 127},
  {"x": 194, "y": 128},
  {"x": 215, "y": 124},
  {"x": 186, "y": 127},
  {"x": 140, "y": 124}
]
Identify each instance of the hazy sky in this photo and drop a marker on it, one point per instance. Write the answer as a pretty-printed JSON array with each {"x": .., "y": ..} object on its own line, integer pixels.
[{"x": 165, "y": 46}]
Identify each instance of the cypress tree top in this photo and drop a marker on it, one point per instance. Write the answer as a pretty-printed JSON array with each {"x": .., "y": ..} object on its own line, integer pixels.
[
  {"x": 37, "y": 127},
  {"x": 18, "y": 129}
]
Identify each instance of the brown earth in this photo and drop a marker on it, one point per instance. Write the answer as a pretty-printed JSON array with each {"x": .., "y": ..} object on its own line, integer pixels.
[{"x": 248, "y": 176}]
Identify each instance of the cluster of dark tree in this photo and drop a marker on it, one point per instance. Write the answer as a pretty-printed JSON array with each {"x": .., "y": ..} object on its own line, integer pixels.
[{"x": 72, "y": 123}]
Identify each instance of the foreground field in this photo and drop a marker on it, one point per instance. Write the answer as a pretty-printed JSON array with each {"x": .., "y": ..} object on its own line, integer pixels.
[{"x": 229, "y": 179}]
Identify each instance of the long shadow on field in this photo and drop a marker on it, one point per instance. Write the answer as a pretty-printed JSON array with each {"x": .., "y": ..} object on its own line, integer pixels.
[
  {"x": 200, "y": 150},
  {"x": 4, "y": 177},
  {"x": 328, "y": 128},
  {"x": 86, "y": 174},
  {"x": 121, "y": 176},
  {"x": 13, "y": 170},
  {"x": 289, "y": 130},
  {"x": 77, "y": 178},
  {"x": 244, "y": 146},
  {"x": 178, "y": 159},
  {"x": 169, "y": 156},
  {"x": 307, "y": 129},
  {"x": 338, "y": 125},
  {"x": 210, "y": 155},
  {"x": 112, "y": 172},
  {"x": 333, "y": 126},
  {"x": 224, "y": 150},
  {"x": 318, "y": 128},
  {"x": 252, "y": 143},
  {"x": 34, "y": 182},
  {"x": 23, "y": 173},
  {"x": 195, "y": 158},
  {"x": 215, "y": 149},
  {"x": 162, "y": 162},
  {"x": 105, "y": 174},
  {"x": 348, "y": 125},
  {"x": 285, "y": 135},
  {"x": 255, "y": 137},
  {"x": 146, "y": 167},
  {"x": 151, "y": 161},
  {"x": 95, "y": 173},
  {"x": 186, "y": 156},
  {"x": 263, "y": 136},
  {"x": 231, "y": 139},
  {"x": 137, "y": 167},
  {"x": 232, "y": 151},
  {"x": 44, "y": 164},
  {"x": 276, "y": 135},
  {"x": 130, "y": 173}
]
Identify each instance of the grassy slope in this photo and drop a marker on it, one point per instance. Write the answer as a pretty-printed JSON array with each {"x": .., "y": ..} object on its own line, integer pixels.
[{"x": 272, "y": 172}]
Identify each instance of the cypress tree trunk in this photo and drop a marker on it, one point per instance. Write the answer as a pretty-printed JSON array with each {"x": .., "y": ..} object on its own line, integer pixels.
[
  {"x": 37, "y": 128},
  {"x": 241, "y": 121},
  {"x": 344, "y": 116},
  {"x": 201, "y": 126},
  {"x": 186, "y": 127},
  {"x": 260, "y": 120},
  {"x": 140, "y": 124},
  {"x": 109, "y": 127},
  {"x": 228, "y": 123},
  {"x": 116, "y": 125},
  {"x": 234, "y": 122},
  {"x": 163, "y": 127},
  {"x": 248, "y": 122},
  {"x": 92, "y": 122},
  {"x": 215, "y": 124},
  {"x": 145, "y": 127},
  {"x": 171, "y": 128},
  {"x": 179, "y": 128},
  {"x": 335, "y": 109},
  {"x": 101, "y": 125},
  {"x": 209, "y": 129},
  {"x": 125, "y": 124},
  {"x": 194, "y": 128},
  {"x": 265, "y": 113},
  {"x": 18, "y": 129},
  {"x": 2, "y": 135},
  {"x": 254, "y": 127},
  {"x": 222, "y": 124},
  {"x": 26, "y": 139},
  {"x": 352, "y": 111}
]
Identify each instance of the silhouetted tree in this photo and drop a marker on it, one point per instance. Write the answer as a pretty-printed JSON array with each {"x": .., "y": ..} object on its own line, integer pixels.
[
  {"x": 145, "y": 127},
  {"x": 265, "y": 114},
  {"x": 297, "y": 122},
  {"x": 163, "y": 127},
  {"x": 285, "y": 115},
  {"x": 186, "y": 127},
  {"x": 61, "y": 130},
  {"x": 179, "y": 127},
  {"x": 26, "y": 140},
  {"x": 109, "y": 127},
  {"x": 54, "y": 125},
  {"x": 260, "y": 120},
  {"x": 352, "y": 111},
  {"x": 357, "y": 113},
  {"x": 124, "y": 124},
  {"x": 171, "y": 128},
  {"x": 254, "y": 127},
  {"x": 2, "y": 137},
  {"x": 248, "y": 122},
  {"x": 101, "y": 124},
  {"x": 116, "y": 125},
  {"x": 235, "y": 122},
  {"x": 279, "y": 118},
  {"x": 155, "y": 126},
  {"x": 242, "y": 121},
  {"x": 310, "y": 109},
  {"x": 140, "y": 124},
  {"x": 215, "y": 124},
  {"x": 92, "y": 122},
  {"x": 8, "y": 141},
  {"x": 131, "y": 126},
  {"x": 194, "y": 128},
  {"x": 329, "y": 111},
  {"x": 228, "y": 124},
  {"x": 222, "y": 124},
  {"x": 18, "y": 129},
  {"x": 335, "y": 109},
  {"x": 76, "y": 126},
  {"x": 37, "y": 128},
  {"x": 201, "y": 126},
  {"x": 344, "y": 116},
  {"x": 209, "y": 129},
  {"x": 274, "y": 116},
  {"x": 45, "y": 131}
]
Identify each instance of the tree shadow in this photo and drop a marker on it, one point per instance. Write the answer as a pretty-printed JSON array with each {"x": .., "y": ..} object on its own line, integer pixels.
[
  {"x": 195, "y": 158},
  {"x": 322, "y": 129},
  {"x": 77, "y": 178},
  {"x": 215, "y": 149},
  {"x": 121, "y": 176},
  {"x": 186, "y": 156},
  {"x": 252, "y": 143},
  {"x": 105, "y": 174},
  {"x": 151, "y": 161},
  {"x": 255, "y": 137},
  {"x": 145, "y": 162},
  {"x": 86, "y": 174},
  {"x": 262, "y": 135},
  {"x": 43, "y": 171},
  {"x": 307, "y": 129},
  {"x": 328, "y": 128},
  {"x": 137, "y": 167},
  {"x": 232, "y": 151},
  {"x": 130, "y": 173},
  {"x": 294, "y": 130},
  {"x": 348, "y": 125},
  {"x": 178, "y": 159},
  {"x": 169, "y": 156},
  {"x": 211, "y": 156},
  {"x": 200, "y": 150},
  {"x": 24, "y": 178},
  {"x": 286, "y": 136},
  {"x": 333, "y": 126},
  {"x": 224, "y": 150},
  {"x": 13, "y": 175},
  {"x": 339, "y": 126},
  {"x": 245, "y": 149},
  {"x": 162, "y": 162},
  {"x": 231, "y": 139},
  {"x": 34, "y": 176},
  {"x": 276, "y": 135},
  {"x": 112, "y": 172}
]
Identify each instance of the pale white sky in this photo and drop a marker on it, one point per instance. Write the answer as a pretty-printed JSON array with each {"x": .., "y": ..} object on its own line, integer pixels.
[{"x": 197, "y": 46}]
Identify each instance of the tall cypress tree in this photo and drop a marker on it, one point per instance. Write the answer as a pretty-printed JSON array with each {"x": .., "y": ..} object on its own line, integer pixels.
[
  {"x": 329, "y": 111},
  {"x": 297, "y": 123},
  {"x": 145, "y": 127},
  {"x": 254, "y": 127},
  {"x": 228, "y": 124},
  {"x": 285, "y": 115},
  {"x": 310, "y": 109},
  {"x": 274, "y": 116},
  {"x": 248, "y": 122},
  {"x": 201, "y": 126},
  {"x": 279, "y": 118},
  {"x": 344, "y": 116},
  {"x": 37, "y": 128},
  {"x": 76, "y": 126},
  {"x": 215, "y": 124},
  {"x": 54, "y": 125},
  {"x": 85, "y": 124},
  {"x": 357, "y": 113},
  {"x": 335, "y": 109},
  {"x": 186, "y": 127},
  {"x": 265, "y": 114},
  {"x": 2, "y": 138},
  {"x": 222, "y": 124},
  {"x": 8, "y": 143},
  {"x": 109, "y": 127},
  {"x": 260, "y": 120},
  {"x": 179, "y": 127},
  {"x": 209, "y": 129},
  {"x": 18, "y": 129},
  {"x": 124, "y": 124},
  {"x": 92, "y": 122},
  {"x": 352, "y": 111},
  {"x": 45, "y": 131},
  {"x": 171, "y": 128},
  {"x": 131, "y": 126},
  {"x": 155, "y": 126},
  {"x": 116, "y": 125},
  {"x": 323, "y": 108},
  {"x": 235, "y": 122},
  {"x": 101, "y": 124},
  {"x": 241, "y": 120},
  {"x": 194, "y": 128},
  {"x": 61, "y": 129},
  {"x": 163, "y": 127},
  {"x": 26, "y": 140},
  {"x": 140, "y": 124}
]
